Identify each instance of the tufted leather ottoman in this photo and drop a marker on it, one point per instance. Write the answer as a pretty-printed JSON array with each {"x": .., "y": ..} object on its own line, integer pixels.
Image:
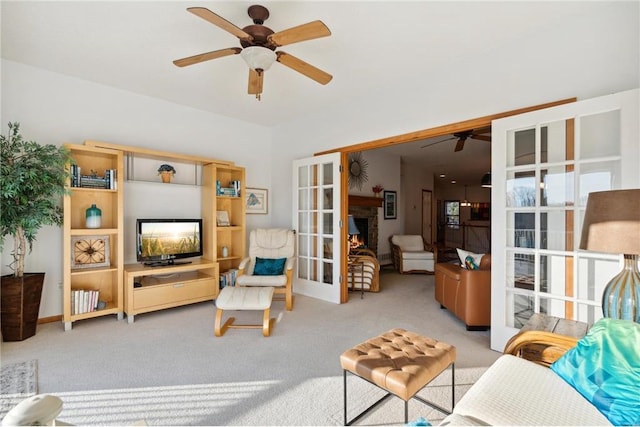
[{"x": 400, "y": 362}]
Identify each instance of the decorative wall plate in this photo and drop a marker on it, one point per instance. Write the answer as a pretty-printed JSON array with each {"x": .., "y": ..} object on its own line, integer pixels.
[
  {"x": 90, "y": 251},
  {"x": 357, "y": 170}
]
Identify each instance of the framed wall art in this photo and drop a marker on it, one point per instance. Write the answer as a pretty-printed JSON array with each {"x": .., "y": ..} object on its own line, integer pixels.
[
  {"x": 390, "y": 205},
  {"x": 256, "y": 200},
  {"x": 90, "y": 252}
]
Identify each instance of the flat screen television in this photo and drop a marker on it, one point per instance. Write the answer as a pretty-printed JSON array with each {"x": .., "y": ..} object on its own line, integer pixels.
[{"x": 162, "y": 241}]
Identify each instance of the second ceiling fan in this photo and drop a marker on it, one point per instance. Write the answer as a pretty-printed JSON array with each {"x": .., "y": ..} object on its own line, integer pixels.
[
  {"x": 482, "y": 134},
  {"x": 259, "y": 44}
]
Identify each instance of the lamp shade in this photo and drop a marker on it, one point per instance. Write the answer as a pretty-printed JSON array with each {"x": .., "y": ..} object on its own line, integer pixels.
[
  {"x": 258, "y": 57},
  {"x": 352, "y": 226},
  {"x": 612, "y": 222},
  {"x": 486, "y": 180}
]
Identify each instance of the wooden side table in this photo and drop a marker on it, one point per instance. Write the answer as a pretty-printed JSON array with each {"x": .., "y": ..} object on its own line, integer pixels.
[
  {"x": 556, "y": 325},
  {"x": 356, "y": 265}
]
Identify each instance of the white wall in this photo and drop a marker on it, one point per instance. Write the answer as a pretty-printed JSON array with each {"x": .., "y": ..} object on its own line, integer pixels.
[
  {"x": 384, "y": 170},
  {"x": 53, "y": 109}
]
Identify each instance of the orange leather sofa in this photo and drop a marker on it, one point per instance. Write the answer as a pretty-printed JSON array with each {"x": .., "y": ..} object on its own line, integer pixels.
[{"x": 466, "y": 293}]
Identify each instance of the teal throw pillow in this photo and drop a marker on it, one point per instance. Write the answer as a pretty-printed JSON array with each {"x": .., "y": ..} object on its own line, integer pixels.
[
  {"x": 470, "y": 263},
  {"x": 269, "y": 266},
  {"x": 604, "y": 367}
]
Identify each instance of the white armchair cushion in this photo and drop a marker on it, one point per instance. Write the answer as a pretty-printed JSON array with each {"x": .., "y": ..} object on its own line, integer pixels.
[
  {"x": 275, "y": 281},
  {"x": 422, "y": 255},
  {"x": 409, "y": 242}
]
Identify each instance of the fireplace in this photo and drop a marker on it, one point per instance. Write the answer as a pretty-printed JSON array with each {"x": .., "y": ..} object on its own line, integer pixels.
[{"x": 366, "y": 219}]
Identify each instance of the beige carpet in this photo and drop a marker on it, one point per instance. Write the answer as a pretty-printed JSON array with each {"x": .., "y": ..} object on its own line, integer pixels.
[
  {"x": 17, "y": 381},
  {"x": 169, "y": 368},
  {"x": 316, "y": 401}
]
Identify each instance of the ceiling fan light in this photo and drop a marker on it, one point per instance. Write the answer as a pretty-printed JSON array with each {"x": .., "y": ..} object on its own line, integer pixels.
[
  {"x": 258, "y": 57},
  {"x": 486, "y": 180}
]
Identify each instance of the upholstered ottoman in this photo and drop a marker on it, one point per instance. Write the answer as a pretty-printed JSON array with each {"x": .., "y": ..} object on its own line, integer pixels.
[
  {"x": 244, "y": 298},
  {"x": 400, "y": 362}
]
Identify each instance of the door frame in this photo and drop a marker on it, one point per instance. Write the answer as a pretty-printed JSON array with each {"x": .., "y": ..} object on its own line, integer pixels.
[{"x": 433, "y": 132}]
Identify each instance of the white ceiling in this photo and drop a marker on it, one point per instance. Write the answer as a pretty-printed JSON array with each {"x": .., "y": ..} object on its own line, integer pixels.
[{"x": 131, "y": 46}]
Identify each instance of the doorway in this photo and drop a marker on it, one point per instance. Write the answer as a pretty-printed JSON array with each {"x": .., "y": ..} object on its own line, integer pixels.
[{"x": 438, "y": 131}]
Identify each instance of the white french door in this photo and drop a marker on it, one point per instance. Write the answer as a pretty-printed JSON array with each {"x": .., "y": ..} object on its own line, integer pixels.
[
  {"x": 316, "y": 219},
  {"x": 544, "y": 165}
]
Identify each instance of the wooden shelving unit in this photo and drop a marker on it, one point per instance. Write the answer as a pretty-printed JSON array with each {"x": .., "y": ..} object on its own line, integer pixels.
[
  {"x": 143, "y": 289},
  {"x": 106, "y": 279}
]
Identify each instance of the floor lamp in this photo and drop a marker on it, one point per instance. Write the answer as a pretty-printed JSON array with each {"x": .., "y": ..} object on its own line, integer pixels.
[{"x": 612, "y": 225}]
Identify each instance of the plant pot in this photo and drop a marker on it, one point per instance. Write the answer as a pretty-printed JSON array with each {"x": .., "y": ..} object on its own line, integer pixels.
[
  {"x": 166, "y": 176},
  {"x": 20, "y": 305}
]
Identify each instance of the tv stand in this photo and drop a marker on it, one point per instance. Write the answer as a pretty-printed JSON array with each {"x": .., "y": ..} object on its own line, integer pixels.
[
  {"x": 156, "y": 287},
  {"x": 165, "y": 263}
]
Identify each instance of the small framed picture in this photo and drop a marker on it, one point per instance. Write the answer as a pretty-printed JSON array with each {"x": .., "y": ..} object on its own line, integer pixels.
[
  {"x": 390, "y": 205},
  {"x": 90, "y": 252},
  {"x": 222, "y": 219},
  {"x": 256, "y": 200}
]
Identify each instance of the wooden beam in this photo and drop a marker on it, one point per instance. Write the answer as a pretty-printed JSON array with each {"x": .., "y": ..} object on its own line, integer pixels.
[{"x": 448, "y": 129}]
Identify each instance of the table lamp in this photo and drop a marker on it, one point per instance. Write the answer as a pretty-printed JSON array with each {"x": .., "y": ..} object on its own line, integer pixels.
[{"x": 612, "y": 225}]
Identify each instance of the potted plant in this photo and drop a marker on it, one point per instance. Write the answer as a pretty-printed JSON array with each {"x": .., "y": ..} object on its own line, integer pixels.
[
  {"x": 166, "y": 172},
  {"x": 32, "y": 179}
]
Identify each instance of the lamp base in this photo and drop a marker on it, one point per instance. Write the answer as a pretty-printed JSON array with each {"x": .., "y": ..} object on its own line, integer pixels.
[{"x": 621, "y": 296}]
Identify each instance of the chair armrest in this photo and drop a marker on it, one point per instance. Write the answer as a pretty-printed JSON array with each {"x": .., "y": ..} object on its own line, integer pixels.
[
  {"x": 243, "y": 265},
  {"x": 541, "y": 347},
  {"x": 290, "y": 263}
]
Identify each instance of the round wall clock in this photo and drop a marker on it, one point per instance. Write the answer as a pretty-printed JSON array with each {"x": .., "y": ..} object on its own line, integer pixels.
[{"x": 357, "y": 170}]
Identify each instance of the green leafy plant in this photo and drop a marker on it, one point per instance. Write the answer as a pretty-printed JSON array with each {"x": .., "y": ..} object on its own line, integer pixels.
[{"x": 32, "y": 179}]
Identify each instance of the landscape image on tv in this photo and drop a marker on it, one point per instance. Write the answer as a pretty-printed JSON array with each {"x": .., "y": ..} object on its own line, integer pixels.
[{"x": 169, "y": 238}]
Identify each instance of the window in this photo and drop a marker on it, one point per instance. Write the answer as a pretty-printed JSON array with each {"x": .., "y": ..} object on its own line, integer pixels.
[{"x": 452, "y": 213}]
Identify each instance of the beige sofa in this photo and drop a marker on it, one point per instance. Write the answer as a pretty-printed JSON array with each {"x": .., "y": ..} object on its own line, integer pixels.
[{"x": 516, "y": 391}]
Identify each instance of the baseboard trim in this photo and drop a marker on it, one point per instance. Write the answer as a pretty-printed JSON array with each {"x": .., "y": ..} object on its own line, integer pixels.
[{"x": 50, "y": 319}]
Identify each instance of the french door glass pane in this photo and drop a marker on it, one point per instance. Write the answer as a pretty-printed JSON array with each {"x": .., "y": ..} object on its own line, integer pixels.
[
  {"x": 553, "y": 274},
  {"x": 327, "y": 173},
  {"x": 521, "y": 189},
  {"x": 554, "y": 143},
  {"x": 303, "y": 176},
  {"x": 556, "y": 230},
  {"x": 328, "y": 198},
  {"x": 521, "y": 229},
  {"x": 521, "y": 147},
  {"x": 601, "y": 176},
  {"x": 600, "y": 135},
  {"x": 557, "y": 186}
]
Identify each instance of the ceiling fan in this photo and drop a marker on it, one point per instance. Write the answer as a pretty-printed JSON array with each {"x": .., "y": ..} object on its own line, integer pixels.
[
  {"x": 479, "y": 134},
  {"x": 259, "y": 44}
]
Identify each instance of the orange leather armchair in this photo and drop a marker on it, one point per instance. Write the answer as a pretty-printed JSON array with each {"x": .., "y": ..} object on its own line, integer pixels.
[{"x": 466, "y": 293}]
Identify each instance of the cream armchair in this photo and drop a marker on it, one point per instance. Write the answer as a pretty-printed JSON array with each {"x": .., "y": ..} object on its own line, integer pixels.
[
  {"x": 268, "y": 248},
  {"x": 411, "y": 255}
]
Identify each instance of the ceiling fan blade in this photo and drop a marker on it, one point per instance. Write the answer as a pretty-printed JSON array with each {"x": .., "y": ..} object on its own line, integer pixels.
[
  {"x": 219, "y": 21},
  {"x": 309, "y": 31},
  {"x": 195, "y": 59},
  {"x": 437, "y": 142},
  {"x": 255, "y": 82},
  {"x": 304, "y": 68},
  {"x": 460, "y": 144},
  {"x": 481, "y": 137}
]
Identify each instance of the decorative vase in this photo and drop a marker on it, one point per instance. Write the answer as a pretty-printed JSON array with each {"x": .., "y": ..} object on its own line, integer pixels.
[
  {"x": 225, "y": 252},
  {"x": 20, "y": 305},
  {"x": 166, "y": 176},
  {"x": 94, "y": 217}
]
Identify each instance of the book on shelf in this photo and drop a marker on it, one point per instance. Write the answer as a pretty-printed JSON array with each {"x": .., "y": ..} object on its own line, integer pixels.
[
  {"x": 109, "y": 181},
  {"x": 84, "y": 301},
  {"x": 228, "y": 278}
]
